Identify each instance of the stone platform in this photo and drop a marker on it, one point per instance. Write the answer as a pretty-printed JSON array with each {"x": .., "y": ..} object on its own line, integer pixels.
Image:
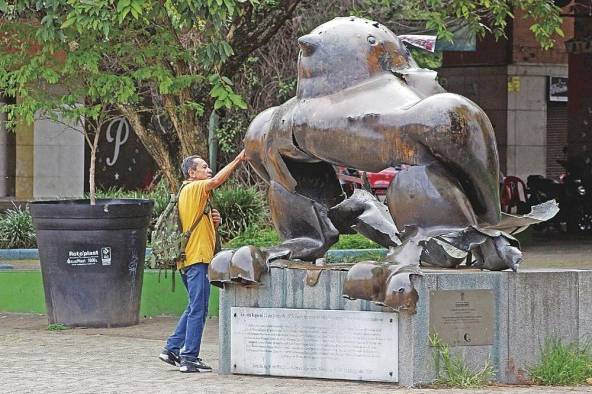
[{"x": 504, "y": 317}]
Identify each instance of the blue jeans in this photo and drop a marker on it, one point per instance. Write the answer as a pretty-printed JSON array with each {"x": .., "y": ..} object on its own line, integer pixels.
[{"x": 186, "y": 340}]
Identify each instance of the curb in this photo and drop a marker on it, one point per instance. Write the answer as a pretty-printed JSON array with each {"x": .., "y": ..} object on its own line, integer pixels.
[{"x": 33, "y": 254}]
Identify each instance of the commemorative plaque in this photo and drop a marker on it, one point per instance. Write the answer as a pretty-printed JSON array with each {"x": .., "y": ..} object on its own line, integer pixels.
[
  {"x": 315, "y": 343},
  {"x": 462, "y": 317}
]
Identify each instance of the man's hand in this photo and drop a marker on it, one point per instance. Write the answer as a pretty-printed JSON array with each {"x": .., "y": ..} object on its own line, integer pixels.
[
  {"x": 216, "y": 218},
  {"x": 225, "y": 172},
  {"x": 242, "y": 156}
]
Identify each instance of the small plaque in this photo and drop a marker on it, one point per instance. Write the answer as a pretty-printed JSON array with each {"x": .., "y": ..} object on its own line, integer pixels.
[
  {"x": 315, "y": 343},
  {"x": 462, "y": 317}
]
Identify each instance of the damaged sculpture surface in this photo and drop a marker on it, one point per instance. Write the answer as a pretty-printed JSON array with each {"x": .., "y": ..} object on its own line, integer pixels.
[{"x": 362, "y": 102}]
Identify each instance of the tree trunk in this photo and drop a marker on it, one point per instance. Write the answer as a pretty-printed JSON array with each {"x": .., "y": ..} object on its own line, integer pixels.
[
  {"x": 92, "y": 188},
  {"x": 156, "y": 146},
  {"x": 190, "y": 132}
]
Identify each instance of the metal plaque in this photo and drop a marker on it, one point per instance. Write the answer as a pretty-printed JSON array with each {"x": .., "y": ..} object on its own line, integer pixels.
[
  {"x": 315, "y": 343},
  {"x": 462, "y": 317}
]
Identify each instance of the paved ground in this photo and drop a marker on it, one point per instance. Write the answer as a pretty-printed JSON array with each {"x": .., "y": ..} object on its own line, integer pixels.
[
  {"x": 121, "y": 360},
  {"x": 118, "y": 360}
]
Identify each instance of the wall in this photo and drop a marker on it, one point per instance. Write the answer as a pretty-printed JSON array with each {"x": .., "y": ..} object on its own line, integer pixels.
[
  {"x": 527, "y": 117},
  {"x": 525, "y": 48},
  {"x": 580, "y": 87},
  {"x": 508, "y": 79},
  {"x": 59, "y": 160},
  {"x": 490, "y": 52},
  {"x": 530, "y": 307},
  {"x": 515, "y": 99}
]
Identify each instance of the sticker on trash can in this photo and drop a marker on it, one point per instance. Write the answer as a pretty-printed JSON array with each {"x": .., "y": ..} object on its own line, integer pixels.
[
  {"x": 83, "y": 257},
  {"x": 106, "y": 255}
]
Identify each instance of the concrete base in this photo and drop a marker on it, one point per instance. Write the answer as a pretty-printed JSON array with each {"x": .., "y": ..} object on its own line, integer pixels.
[{"x": 530, "y": 306}]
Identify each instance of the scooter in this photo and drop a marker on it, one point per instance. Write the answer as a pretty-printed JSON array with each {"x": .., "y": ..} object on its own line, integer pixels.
[
  {"x": 573, "y": 192},
  {"x": 577, "y": 195}
]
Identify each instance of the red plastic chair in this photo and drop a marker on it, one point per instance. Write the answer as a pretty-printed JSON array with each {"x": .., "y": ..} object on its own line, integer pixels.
[{"x": 513, "y": 194}]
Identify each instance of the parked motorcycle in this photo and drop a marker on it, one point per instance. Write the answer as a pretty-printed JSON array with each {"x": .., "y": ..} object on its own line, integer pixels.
[
  {"x": 577, "y": 194},
  {"x": 573, "y": 192},
  {"x": 541, "y": 189}
]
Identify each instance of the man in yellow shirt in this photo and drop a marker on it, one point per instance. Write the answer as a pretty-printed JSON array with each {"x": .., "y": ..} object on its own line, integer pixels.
[{"x": 182, "y": 347}]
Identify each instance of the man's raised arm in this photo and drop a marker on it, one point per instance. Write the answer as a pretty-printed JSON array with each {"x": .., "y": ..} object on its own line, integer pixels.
[{"x": 225, "y": 172}]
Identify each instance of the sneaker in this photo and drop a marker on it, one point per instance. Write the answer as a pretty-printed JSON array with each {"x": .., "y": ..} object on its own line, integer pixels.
[
  {"x": 194, "y": 366},
  {"x": 169, "y": 357}
]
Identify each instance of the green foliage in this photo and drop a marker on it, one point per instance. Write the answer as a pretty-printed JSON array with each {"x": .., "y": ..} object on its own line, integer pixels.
[
  {"x": 16, "y": 229},
  {"x": 266, "y": 236},
  {"x": 456, "y": 374},
  {"x": 57, "y": 327},
  {"x": 563, "y": 365},
  {"x": 482, "y": 16},
  {"x": 355, "y": 241},
  {"x": 180, "y": 59},
  {"x": 256, "y": 236},
  {"x": 425, "y": 59},
  {"x": 159, "y": 194},
  {"x": 286, "y": 89},
  {"x": 230, "y": 133},
  {"x": 86, "y": 61},
  {"x": 492, "y": 16},
  {"x": 108, "y": 51},
  {"x": 240, "y": 208}
]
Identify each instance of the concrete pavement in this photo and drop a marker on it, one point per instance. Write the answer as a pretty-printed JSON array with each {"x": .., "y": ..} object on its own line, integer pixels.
[{"x": 124, "y": 360}]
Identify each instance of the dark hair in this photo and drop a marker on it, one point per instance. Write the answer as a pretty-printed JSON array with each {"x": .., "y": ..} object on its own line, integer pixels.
[{"x": 188, "y": 164}]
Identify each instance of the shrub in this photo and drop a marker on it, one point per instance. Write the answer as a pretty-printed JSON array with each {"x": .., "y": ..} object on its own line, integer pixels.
[
  {"x": 456, "y": 374},
  {"x": 563, "y": 365},
  {"x": 159, "y": 194},
  {"x": 16, "y": 229},
  {"x": 240, "y": 207}
]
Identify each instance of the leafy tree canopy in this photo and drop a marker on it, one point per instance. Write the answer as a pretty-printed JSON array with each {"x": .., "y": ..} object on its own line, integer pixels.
[{"x": 167, "y": 64}]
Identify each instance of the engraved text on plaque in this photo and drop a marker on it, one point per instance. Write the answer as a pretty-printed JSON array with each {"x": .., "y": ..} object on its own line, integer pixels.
[
  {"x": 462, "y": 317},
  {"x": 315, "y": 343}
]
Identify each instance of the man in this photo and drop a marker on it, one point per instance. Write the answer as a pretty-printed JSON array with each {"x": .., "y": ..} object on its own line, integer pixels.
[{"x": 182, "y": 347}]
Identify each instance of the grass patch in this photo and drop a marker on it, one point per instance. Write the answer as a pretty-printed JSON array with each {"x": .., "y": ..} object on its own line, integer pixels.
[
  {"x": 563, "y": 365},
  {"x": 57, "y": 327},
  {"x": 452, "y": 372}
]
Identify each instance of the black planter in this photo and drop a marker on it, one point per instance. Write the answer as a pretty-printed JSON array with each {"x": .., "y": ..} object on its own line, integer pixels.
[{"x": 92, "y": 259}]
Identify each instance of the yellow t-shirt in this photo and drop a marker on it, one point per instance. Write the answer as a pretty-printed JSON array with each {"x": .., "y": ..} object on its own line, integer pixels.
[{"x": 192, "y": 201}]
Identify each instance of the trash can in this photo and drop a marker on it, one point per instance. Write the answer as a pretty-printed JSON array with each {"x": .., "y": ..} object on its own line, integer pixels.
[{"x": 92, "y": 259}]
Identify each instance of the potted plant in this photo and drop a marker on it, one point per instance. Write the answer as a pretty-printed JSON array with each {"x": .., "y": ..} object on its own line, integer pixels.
[{"x": 91, "y": 251}]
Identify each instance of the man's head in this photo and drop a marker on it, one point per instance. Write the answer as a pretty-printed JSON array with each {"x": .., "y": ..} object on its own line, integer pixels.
[{"x": 195, "y": 168}]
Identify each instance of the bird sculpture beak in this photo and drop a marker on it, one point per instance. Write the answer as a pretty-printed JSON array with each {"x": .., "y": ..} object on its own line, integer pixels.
[{"x": 308, "y": 44}]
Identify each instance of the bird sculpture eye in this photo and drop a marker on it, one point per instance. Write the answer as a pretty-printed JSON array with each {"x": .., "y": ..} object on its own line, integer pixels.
[{"x": 371, "y": 40}]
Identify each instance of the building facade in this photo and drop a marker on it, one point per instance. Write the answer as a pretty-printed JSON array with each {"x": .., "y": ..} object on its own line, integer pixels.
[
  {"x": 41, "y": 160},
  {"x": 522, "y": 88}
]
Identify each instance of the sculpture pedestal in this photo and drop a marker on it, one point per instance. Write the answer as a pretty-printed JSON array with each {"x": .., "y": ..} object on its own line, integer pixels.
[{"x": 503, "y": 317}]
